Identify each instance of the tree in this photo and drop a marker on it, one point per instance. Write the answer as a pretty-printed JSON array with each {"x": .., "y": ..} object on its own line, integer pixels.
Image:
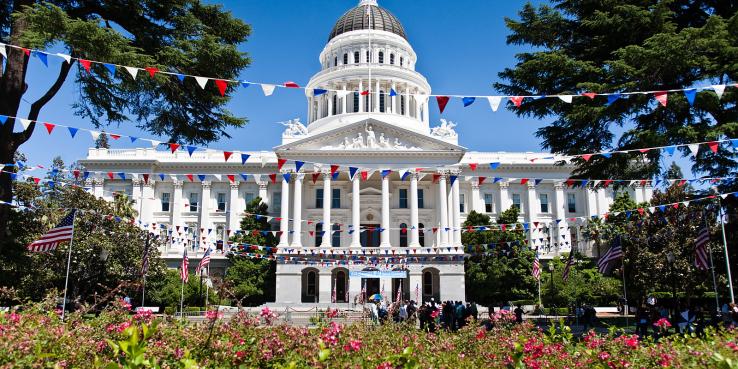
[
  {"x": 621, "y": 45},
  {"x": 186, "y": 37},
  {"x": 500, "y": 270},
  {"x": 250, "y": 279},
  {"x": 102, "y": 141}
]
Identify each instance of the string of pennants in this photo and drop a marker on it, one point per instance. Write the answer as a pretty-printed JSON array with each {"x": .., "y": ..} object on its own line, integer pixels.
[
  {"x": 233, "y": 155},
  {"x": 442, "y": 100}
]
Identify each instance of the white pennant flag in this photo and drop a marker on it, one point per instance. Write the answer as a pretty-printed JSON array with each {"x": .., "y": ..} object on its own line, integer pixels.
[
  {"x": 686, "y": 203},
  {"x": 268, "y": 89},
  {"x": 155, "y": 143},
  {"x": 25, "y": 123},
  {"x": 719, "y": 89},
  {"x": 132, "y": 71},
  {"x": 566, "y": 98},
  {"x": 202, "y": 81},
  {"x": 219, "y": 177},
  {"x": 694, "y": 148},
  {"x": 95, "y": 135},
  {"x": 2, "y": 51},
  {"x": 66, "y": 57},
  {"x": 494, "y": 102},
  {"x": 257, "y": 178}
]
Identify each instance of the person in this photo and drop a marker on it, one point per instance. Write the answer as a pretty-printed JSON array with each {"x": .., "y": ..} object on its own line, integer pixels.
[
  {"x": 411, "y": 310},
  {"x": 422, "y": 316},
  {"x": 403, "y": 312},
  {"x": 488, "y": 323},
  {"x": 460, "y": 313},
  {"x": 374, "y": 312},
  {"x": 518, "y": 314},
  {"x": 643, "y": 321}
]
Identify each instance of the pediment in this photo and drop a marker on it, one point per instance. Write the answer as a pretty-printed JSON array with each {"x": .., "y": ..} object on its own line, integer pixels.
[{"x": 370, "y": 136}]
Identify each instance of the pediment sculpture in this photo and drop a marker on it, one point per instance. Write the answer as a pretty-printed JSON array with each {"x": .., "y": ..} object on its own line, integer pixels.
[
  {"x": 370, "y": 142},
  {"x": 294, "y": 128},
  {"x": 445, "y": 130}
]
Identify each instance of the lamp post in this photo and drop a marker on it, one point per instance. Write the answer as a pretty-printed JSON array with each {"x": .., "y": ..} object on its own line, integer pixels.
[
  {"x": 670, "y": 258},
  {"x": 551, "y": 269}
]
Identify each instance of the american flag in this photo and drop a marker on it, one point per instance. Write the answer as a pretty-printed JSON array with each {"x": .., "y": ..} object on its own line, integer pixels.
[
  {"x": 184, "y": 272},
  {"x": 614, "y": 253},
  {"x": 399, "y": 293},
  {"x": 205, "y": 261},
  {"x": 700, "y": 248},
  {"x": 61, "y": 233},
  {"x": 567, "y": 267},
  {"x": 537, "y": 267}
]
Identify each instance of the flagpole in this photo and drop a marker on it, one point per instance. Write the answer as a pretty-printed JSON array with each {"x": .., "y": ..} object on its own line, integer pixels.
[
  {"x": 625, "y": 296},
  {"x": 146, "y": 255},
  {"x": 181, "y": 301},
  {"x": 69, "y": 263},
  {"x": 207, "y": 288},
  {"x": 714, "y": 282},
  {"x": 725, "y": 248}
]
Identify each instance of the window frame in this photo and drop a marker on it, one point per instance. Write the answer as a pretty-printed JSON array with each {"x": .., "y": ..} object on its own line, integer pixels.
[
  {"x": 335, "y": 198},
  {"x": 168, "y": 197},
  {"x": 219, "y": 203},
  {"x": 319, "y": 198},
  {"x": 357, "y": 55},
  {"x": 541, "y": 196},
  {"x": 421, "y": 199},
  {"x": 345, "y": 58},
  {"x": 196, "y": 205},
  {"x": 519, "y": 204},
  {"x": 571, "y": 202},
  {"x": 392, "y": 59},
  {"x": 276, "y": 204},
  {"x": 335, "y": 236},
  {"x": 380, "y": 57},
  {"x": 488, "y": 206},
  {"x": 400, "y": 198},
  {"x": 462, "y": 203}
]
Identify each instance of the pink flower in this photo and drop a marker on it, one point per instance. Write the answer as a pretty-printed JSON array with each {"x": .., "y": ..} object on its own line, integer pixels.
[
  {"x": 662, "y": 323},
  {"x": 213, "y": 315},
  {"x": 604, "y": 355},
  {"x": 631, "y": 341},
  {"x": 268, "y": 315},
  {"x": 480, "y": 334},
  {"x": 385, "y": 365},
  {"x": 353, "y": 345},
  {"x": 331, "y": 313},
  {"x": 434, "y": 314}
]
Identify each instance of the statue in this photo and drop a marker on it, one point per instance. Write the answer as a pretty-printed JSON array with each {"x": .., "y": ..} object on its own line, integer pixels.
[
  {"x": 383, "y": 141},
  {"x": 294, "y": 128},
  {"x": 398, "y": 144},
  {"x": 371, "y": 140},
  {"x": 359, "y": 141},
  {"x": 445, "y": 130}
]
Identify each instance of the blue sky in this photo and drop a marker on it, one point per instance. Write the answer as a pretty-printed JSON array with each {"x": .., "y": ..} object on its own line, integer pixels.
[{"x": 460, "y": 45}]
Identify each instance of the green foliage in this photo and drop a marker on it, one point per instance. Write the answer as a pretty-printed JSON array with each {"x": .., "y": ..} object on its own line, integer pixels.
[
  {"x": 131, "y": 351},
  {"x": 585, "y": 284},
  {"x": 166, "y": 291}
]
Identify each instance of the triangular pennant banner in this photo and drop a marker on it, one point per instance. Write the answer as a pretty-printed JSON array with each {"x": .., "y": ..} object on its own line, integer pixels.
[
  {"x": 494, "y": 102},
  {"x": 267, "y": 89},
  {"x": 201, "y": 81},
  {"x": 442, "y": 101}
]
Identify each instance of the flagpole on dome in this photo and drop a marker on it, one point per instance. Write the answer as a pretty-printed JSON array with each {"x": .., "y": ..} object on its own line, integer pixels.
[
  {"x": 725, "y": 248},
  {"x": 69, "y": 263}
]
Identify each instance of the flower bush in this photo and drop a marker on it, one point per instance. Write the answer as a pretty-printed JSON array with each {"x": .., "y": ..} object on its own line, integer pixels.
[{"x": 35, "y": 338}]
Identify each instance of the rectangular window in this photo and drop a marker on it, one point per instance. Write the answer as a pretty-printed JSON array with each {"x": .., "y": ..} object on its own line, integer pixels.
[
  {"x": 516, "y": 201},
  {"x": 403, "y": 198},
  {"x": 544, "y": 202},
  {"x": 194, "y": 197},
  {"x": 420, "y": 199},
  {"x": 277, "y": 201},
  {"x": 462, "y": 203},
  {"x": 336, "y": 236},
  {"x": 221, "y": 197},
  {"x": 318, "y": 198},
  {"x": 571, "y": 202},
  {"x": 368, "y": 60},
  {"x": 356, "y": 57},
  {"x": 318, "y": 236},
  {"x": 336, "y": 199},
  {"x": 248, "y": 197},
  {"x": 487, "y": 202},
  {"x": 165, "y": 196}
]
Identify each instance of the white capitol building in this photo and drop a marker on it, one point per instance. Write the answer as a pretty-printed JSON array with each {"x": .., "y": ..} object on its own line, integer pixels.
[{"x": 420, "y": 216}]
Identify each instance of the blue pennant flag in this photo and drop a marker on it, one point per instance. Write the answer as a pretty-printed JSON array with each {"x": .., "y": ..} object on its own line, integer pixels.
[
  {"x": 335, "y": 175},
  {"x": 245, "y": 84},
  {"x": 244, "y": 158},
  {"x": 110, "y": 68},
  {"x": 385, "y": 172},
  {"x": 468, "y": 100},
  {"x": 85, "y": 175},
  {"x": 42, "y": 57},
  {"x": 319, "y": 91},
  {"x": 662, "y": 208},
  {"x": 393, "y": 92},
  {"x": 244, "y": 176},
  {"x": 690, "y": 95},
  {"x": 3, "y": 119},
  {"x": 452, "y": 179},
  {"x": 494, "y": 165},
  {"x": 656, "y": 183},
  {"x": 352, "y": 172},
  {"x": 191, "y": 149},
  {"x": 584, "y": 183},
  {"x": 201, "y": 177},
  {"x": 606, "y": 154},
  {"x": 669, "y": 149},
  {"x": 525, "y": 226},
  {"x": 298, "y": 165},
  {"x": 404, "y": 175},
  {"x": 122, "y": 175},
  {"x": 286, "y": 177},
  {"x": 735, "y": 144},
  {"x": 627, "y": 214},
  {"x": 72, "y": 131},
  {"x": 496, "y": 179},
  {"x": 537, "y": 181},
  {"x": 13, "y": 176},
  {"x": 161, "y": 175},
  {"x": 133, "y": 139},
  {"x": 180, "y": 76},
  {"x": 612, "y": 98}
]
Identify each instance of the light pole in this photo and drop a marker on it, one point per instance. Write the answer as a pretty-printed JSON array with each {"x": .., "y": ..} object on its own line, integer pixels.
[
  {"x": 551, "y": 269},
  {"x": 670, "y": 258}
]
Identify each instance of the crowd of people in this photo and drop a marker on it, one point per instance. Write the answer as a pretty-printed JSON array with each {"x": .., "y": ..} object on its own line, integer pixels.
[
  {"x": 686, "y": 318},
  {"x": 431, "y": 315}
]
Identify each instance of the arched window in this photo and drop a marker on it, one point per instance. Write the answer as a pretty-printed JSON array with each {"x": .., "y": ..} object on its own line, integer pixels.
[
  {"x": 335, "y": 61},
  {"x": 403, "y": 235},
  {"x": 356, "y": 57},
  {"x": 421, "y": 234},
  {"x": 427, "y": 283},
  {"x": 311, "y": 290},
  {"x": 341, "y": 286},
  {"x": 335, "y": 104},
  {"x": 381, "y": 57},
  {"x": 356, "y": 102},
  {"x": 402, "y": 104},
  {"x": 392, "y": 59},
  {"x": 401, "y": 61},
  {"x": 318, "y": 237},
  {"x": 336, "y": 236},
  {"x": 345, "y": 58},
  {"x": 381, "y": 101}
]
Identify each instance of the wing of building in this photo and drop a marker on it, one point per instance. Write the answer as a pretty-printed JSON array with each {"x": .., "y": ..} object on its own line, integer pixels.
[{"x": 370, "y": 111}]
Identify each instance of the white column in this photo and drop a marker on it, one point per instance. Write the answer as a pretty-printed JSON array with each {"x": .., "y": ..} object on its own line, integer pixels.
[
  {"x": 407, "y": 100},
  {"x": 426, "y": 115},
  {"x": 233, "y": 209},
  {"x": 177, "y": 204},
  {"x": 414, "y": 236},
  {"x": 417, "y": 106},
  {"x": 310, "y": 109},
  {"x": 297, "y": 211},
  {"x": 98, "y": 189},
  {"x": 602, "y": 206},
  {"x": 356, "y": 210},
  {"x": 530, "y": 213},
  {"x": 504, "y": 203},
  {"x": 148, "y": 201},
  {"x": 376, "y": 97},
  {"x": 647, "y": 192},
  {"x": 137, "y": 198},
  {"x": 450, "y": 213},
  {"x": 416, "y": 281},
  {"x": 443, "y": 209},
  {"x": 343, "y": 100},
  {"x": 284, "y": 213},
  {"x": 476, "y": 203},
  {"x": 327, "y": 196},
  {"x": 361, "y": 97},
  {"x": 456, "y": 212},
  {"x": 263, "y": 193},
  {"x": 320, "y": 106},
  {"x": 325, "y": 286},
  {"x": 205, "y": 214},
  {"x": 559, "y": 211},
  {"x": 329, "y": 96},
  {"x": 385, "y": 234}
]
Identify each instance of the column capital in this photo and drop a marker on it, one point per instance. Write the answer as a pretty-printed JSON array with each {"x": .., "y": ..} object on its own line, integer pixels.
[
  {"x": 206, "y": 184},
  {"x": 263, "y": 185},
  {"x": 503, "y": 185},
  {"x": 137, "y": 182},
  {"x": 151, "y": 183},
  {"x": 177, "y": 183},
  {"x": 454, "y": 172},
  {"x": 89, "y": 182},
  {"x": 531, "y": 186},
  {"x": 234, "y": 186},
  {"x": 558, "y": 186},
  {"x": 98, "y": 181},
  {"x": 475, "y": 184},
  {"x": 299, "y": 176}
]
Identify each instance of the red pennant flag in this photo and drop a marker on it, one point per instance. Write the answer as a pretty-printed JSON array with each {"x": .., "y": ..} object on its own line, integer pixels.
[
  {"x": 364, "y": 93},
  {"x": 26, "y": 51},
  {"x": 434, "y": 229},
  {"x": 114, "y": 136},
  {"x": 291, "y": 84},
  {"x": 473, "y": 166},
  {"x": 152, "y": 71},
  {"x": 570, "y": 182},
  {"x": 364, "y": 175},
  {"x": 334, "y": 168},
  {"x": 586, "y": 157},
  {"x": 76, "y": 173},
  {"x": 524, "y": 181},
  {"x": 643, "y": 182},
  {"x": 641, "y": 211},
  {"x": 231, "y": 178},
  {"x": 49, "y": 127},
  {"x": 480, "y": 180},
  {"x": 222, "y": 85},
  {"x": 110, "y": 175},
  {"x": 713, "y": 146},
  {"x": 36, "y": 179},
  {"x": 273, "y": 177},
  {"x": 676, "y": 205},
  {"x": 85, "y": 64},
  {"x": 591, "y": 95},
  {"x": 517, "y": 100},
  {"x": 442, "y": 101},
  {"x": 606, "y": 183},
  {"x": 436, "y": 177},
  {"x": 173, "y": 147},
  {"x": 503, "y": 227},
  {"x": 189, "y": 176},
  {"x": 682, "y": 182},
  {"x": 227, "y": 155},
  {"x": 311, "y": 233},
  {"x": 643, "y": 151},
  {"x": 280, "y": 163},
  {"x": 146, "y": 178},
  {"x": 315, "y": 177},
  {"x": 661, "y": 97}
]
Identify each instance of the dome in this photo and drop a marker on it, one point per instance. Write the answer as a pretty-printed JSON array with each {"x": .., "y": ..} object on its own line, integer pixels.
[{"x": 356, "y": 19}]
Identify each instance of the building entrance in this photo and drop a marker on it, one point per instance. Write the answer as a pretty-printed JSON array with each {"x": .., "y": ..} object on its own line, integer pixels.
[{"x": 370, "y": 237}]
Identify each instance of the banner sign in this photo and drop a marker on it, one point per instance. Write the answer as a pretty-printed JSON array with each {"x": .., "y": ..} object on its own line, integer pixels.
[{"x": 378, "y": 274}]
